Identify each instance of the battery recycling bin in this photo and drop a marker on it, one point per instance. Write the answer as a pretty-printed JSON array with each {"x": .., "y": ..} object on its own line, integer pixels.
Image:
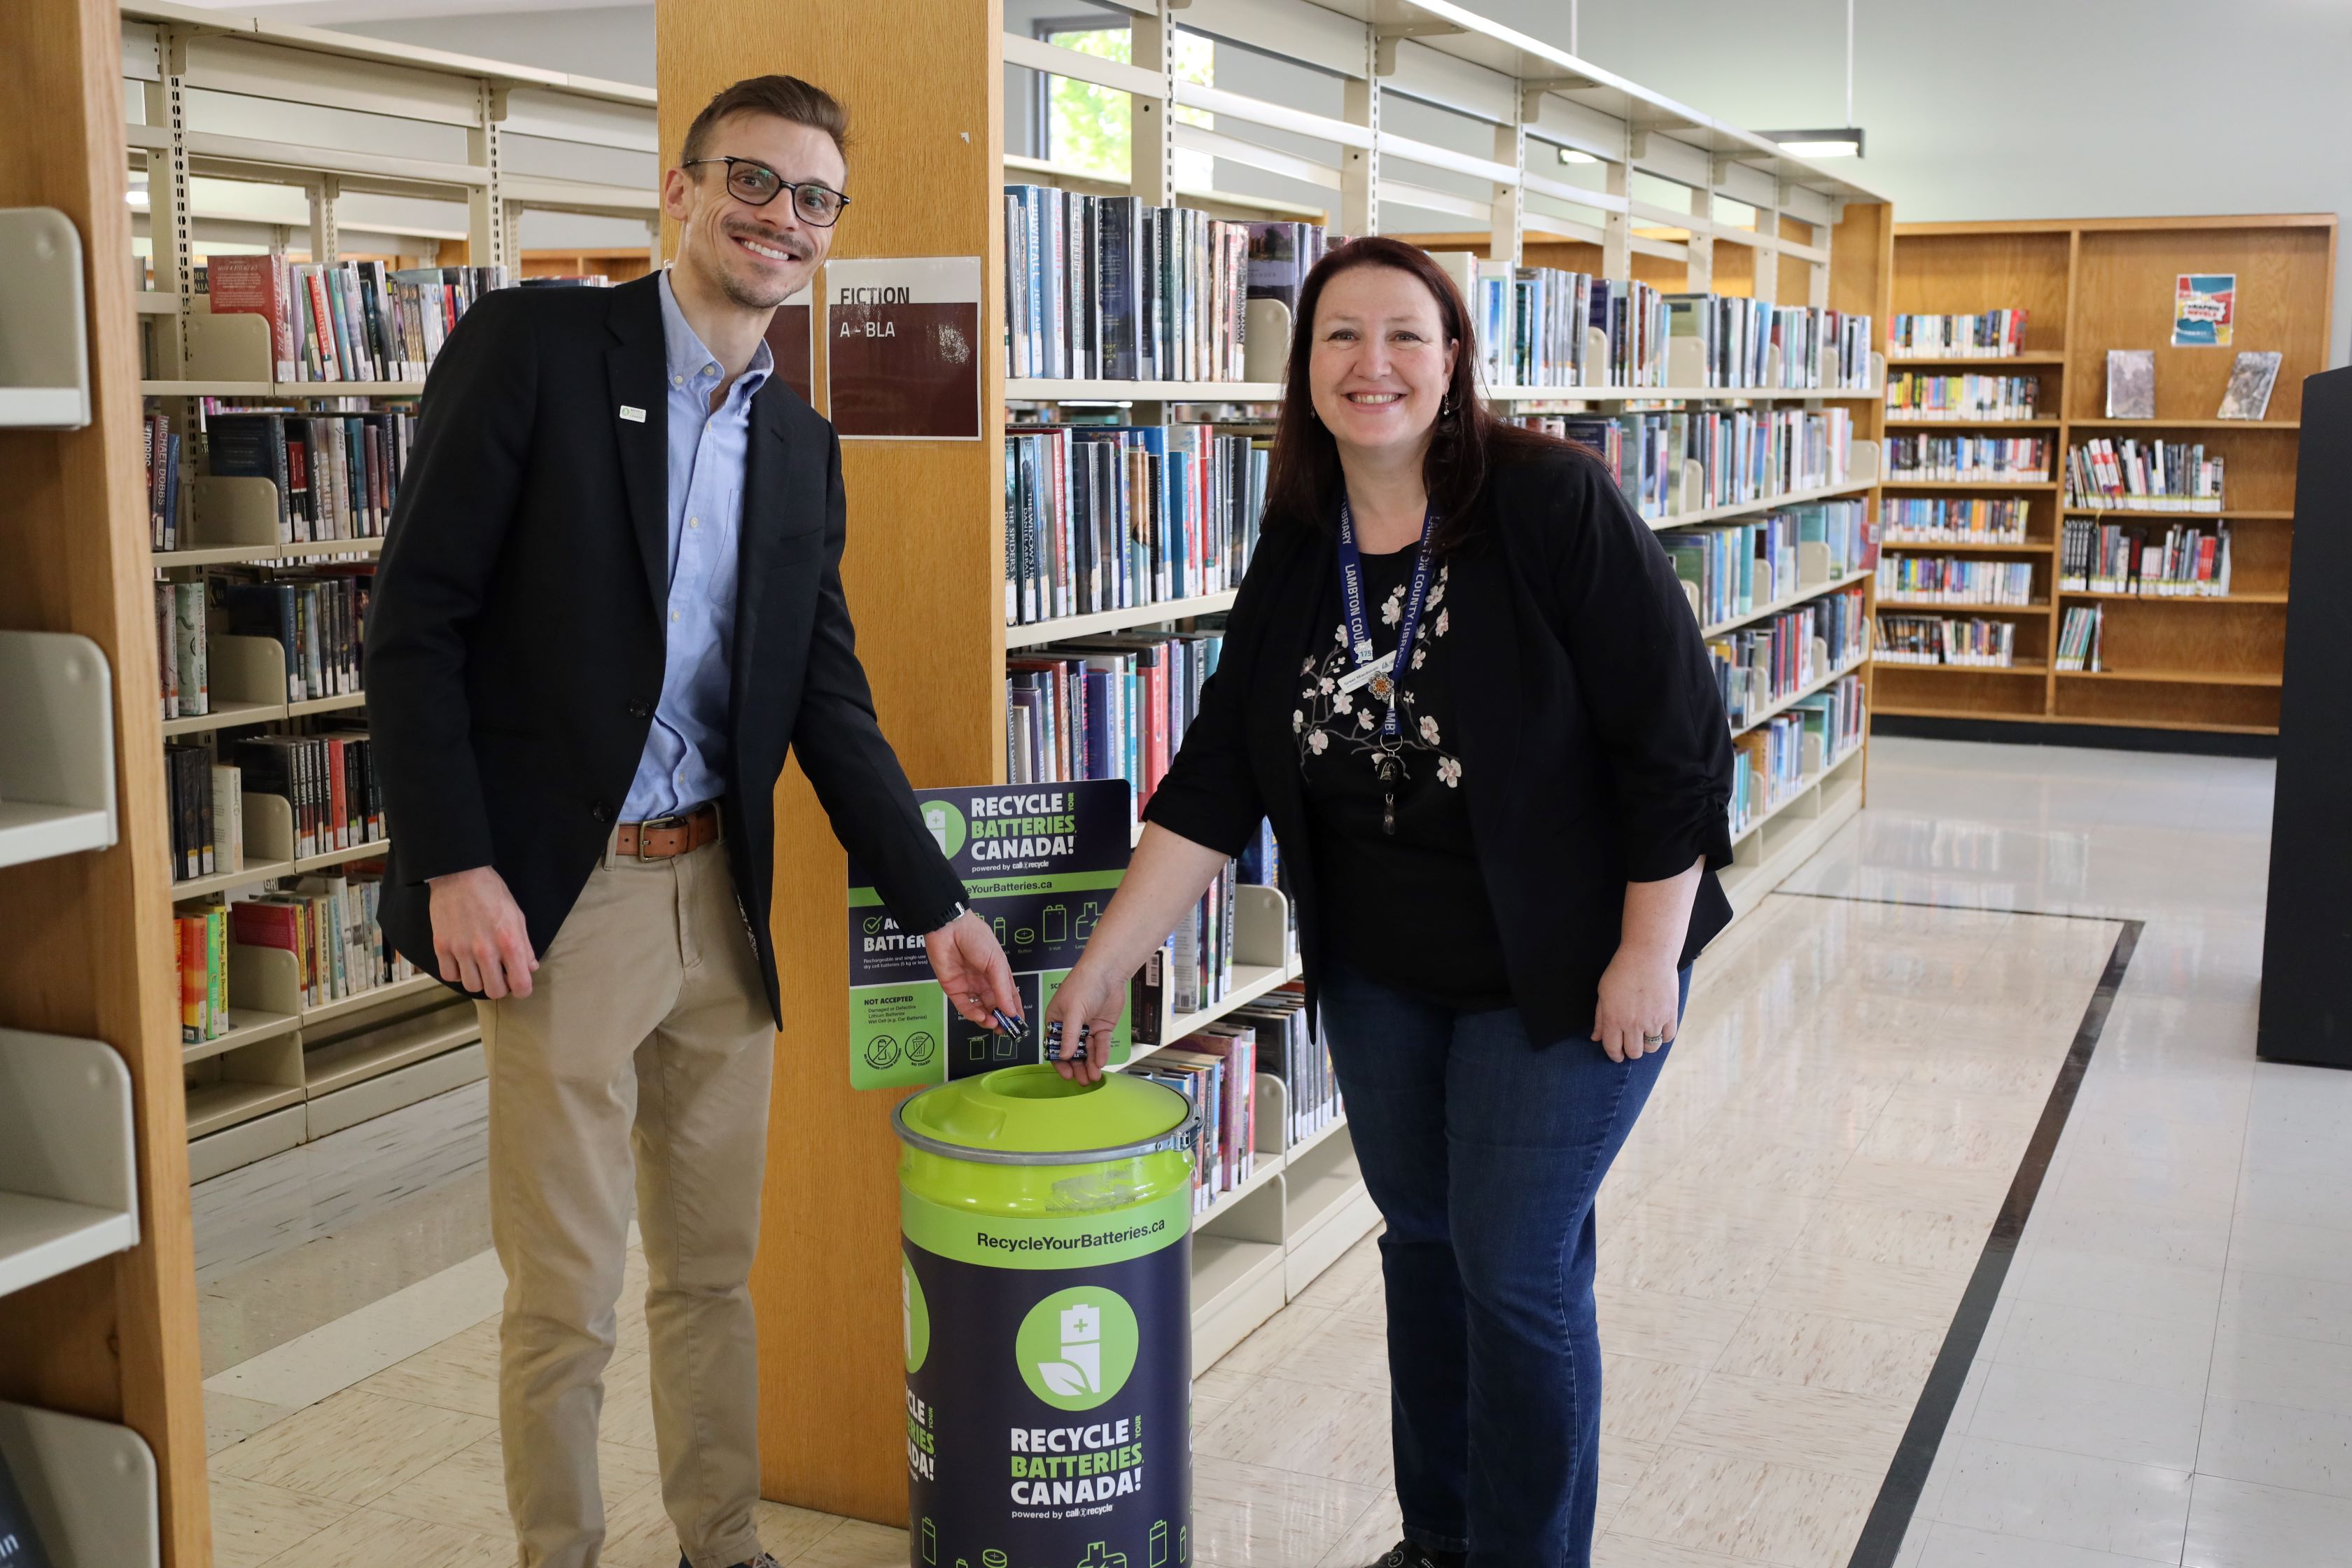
[{"x": 1047, "y": 1303}]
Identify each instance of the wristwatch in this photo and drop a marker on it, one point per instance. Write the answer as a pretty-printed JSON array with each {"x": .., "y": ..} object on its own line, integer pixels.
[{"x": 955, "y": 913}]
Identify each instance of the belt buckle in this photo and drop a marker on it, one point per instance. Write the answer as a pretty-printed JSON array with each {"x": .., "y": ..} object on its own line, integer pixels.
[{"x": 650, "y": 826}]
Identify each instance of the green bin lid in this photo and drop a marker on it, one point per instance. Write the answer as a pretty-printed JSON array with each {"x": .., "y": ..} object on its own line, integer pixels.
[{"x": 1032, "y": 1115}]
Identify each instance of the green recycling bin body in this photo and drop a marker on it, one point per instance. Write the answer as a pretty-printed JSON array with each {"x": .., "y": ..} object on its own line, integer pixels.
[{"x": 1046, "y": 1304}]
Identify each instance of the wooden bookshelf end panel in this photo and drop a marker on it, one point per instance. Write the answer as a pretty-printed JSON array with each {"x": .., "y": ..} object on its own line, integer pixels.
[{"x": 2124, "y": 289}]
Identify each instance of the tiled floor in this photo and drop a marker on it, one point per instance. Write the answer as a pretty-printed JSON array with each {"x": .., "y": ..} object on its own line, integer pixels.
[{"x": 2168, "y": 1376}]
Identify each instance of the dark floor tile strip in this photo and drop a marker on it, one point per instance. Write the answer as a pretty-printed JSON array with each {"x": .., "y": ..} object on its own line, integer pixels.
[
  {"x": 1956, "y": 909},
  {"x": 1907, "y": 1478}
]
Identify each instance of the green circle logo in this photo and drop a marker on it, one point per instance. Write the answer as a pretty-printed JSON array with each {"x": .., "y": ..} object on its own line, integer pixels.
[
  {"x": 914, "y": 1316},
  {"x": 946, "y": 824},
  {"x": 1077, "y": 1346}
]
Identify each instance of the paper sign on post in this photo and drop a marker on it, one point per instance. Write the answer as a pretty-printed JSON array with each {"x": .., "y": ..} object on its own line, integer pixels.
[
  {"x": 903, "y": 347},
  {"x": 1039, "y": 864}
]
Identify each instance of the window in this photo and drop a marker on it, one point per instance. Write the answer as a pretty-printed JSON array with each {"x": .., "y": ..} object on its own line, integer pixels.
[{"x": 1082, "y": 126}]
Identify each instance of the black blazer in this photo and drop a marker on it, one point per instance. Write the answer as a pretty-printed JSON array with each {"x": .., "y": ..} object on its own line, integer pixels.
[
  {"x": 1593, "y": 743},
  {"x": 515, "y": 636}
]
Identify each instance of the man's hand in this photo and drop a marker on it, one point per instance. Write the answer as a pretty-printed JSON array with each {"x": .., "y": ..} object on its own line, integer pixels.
[
  {"x": 1088, "y": 1007},
  {"x": 972, "y": 971},
  {"x": 478, "y": 936}
]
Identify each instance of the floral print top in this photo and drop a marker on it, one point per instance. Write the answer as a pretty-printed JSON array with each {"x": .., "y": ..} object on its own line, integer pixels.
[{"x": 1395, "y": 859}]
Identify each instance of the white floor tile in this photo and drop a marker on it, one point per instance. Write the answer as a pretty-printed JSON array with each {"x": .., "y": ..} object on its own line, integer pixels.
[
  {"x": 2309, "y": 1375},
  {"x": 2277, "y": 1446},
  {"x": 2154, "y": 1352},
  {"x": 1950, "y": 1546},
  {"x": 2235, "y": 1524},
  {"x": 2077, "y": 1414},
  {"x": 2138, "y": 1511}
]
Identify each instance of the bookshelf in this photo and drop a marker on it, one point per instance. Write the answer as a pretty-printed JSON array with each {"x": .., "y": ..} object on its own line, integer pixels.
[
  {"x": 288, "y": 1070},
  {"x": 925, "y": 566},
  {"x": 100, "y": 1396},
  {"x": 2178, "y": 664}
]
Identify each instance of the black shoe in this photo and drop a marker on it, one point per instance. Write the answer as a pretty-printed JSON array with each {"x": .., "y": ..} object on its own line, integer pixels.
[
  {"x": 761, "y": 1561},
  {"x": 1405, "y": 1554}
]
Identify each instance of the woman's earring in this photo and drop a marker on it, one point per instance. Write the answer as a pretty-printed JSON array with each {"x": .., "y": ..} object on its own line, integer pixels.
[{"x": 1446, "y": 407}]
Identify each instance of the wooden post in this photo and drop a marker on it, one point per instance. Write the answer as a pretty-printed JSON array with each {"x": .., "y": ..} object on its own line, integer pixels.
[
  {"x": 85, "y": 940},
  {"x": 925, "y": 576}
]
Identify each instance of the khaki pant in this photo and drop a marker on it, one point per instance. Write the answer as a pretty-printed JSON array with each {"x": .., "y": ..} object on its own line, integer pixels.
[{"x": 647, "y": 1031}]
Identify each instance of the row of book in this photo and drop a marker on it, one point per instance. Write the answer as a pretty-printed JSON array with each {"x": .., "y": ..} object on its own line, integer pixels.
[
  {"x": 1942, "y": 639},
  {"x": 1109, "y": 707},
  {"x": 204, "y": 821},
  {"x": 1116, "y": 517},
  {"x": 337, "y": 475},
  {"x": 200, "y": 951},
  {"x": 1111, "y": 287},
  {"x": 330, "y": 924},
  {"x": 317, "y": 618},
  {"x": 348, "y": 321},
  {"x": 2132, "y": 475},
  {"x": 1742, "y": 455},
  {"x": 165, "y": 452},
  {"x": 1288, "y": 1049},
  {"x": 2188, "y": 560},
  {"x": 1216, "y": 1068},
  {"x": 1731, "y": 568},
  {"x": 1961, "y": 396},
  {"x": 1950, "y": 580},
  {"x": 1973, "y": 459},
  {"x": 1759, "y": 666},
  {"x": 329, "y": 780},
  {"x": 1937, "y": 520},
  {"x": 1988, "y": 334},
  {"x": 1743, "y": 342},
  {"x": 1194, "y": 968},
  {"x": 2078, "y": 637},
  {"x": 1774, "y": 760},
  {"x": 329, "y": 784}
]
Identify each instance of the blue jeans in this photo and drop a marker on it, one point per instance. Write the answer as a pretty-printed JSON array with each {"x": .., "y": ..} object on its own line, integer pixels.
[{"x": 1483, "y": 1152}]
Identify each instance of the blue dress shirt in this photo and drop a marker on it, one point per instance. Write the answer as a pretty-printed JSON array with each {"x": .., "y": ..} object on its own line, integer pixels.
[{"x": 685, "y": 762}]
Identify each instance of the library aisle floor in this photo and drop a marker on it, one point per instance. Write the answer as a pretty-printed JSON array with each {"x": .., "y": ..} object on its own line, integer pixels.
[{"x": 2164, "y": 1375}]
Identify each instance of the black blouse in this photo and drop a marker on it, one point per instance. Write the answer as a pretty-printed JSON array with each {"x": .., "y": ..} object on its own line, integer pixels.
[
  {"x": 1395, "y": 860},
  {"x": 1592, "y": 741}
]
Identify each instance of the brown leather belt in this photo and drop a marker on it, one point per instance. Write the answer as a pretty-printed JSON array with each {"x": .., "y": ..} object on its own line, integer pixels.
[{"x": 663, "y": 838}]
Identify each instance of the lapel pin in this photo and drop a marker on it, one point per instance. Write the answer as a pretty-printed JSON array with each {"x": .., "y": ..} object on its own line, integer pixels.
[{"x": 634, "y": 416}]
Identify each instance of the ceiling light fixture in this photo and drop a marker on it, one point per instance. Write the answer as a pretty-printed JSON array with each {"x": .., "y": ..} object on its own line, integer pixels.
[{"x": 1842, "y": 141}]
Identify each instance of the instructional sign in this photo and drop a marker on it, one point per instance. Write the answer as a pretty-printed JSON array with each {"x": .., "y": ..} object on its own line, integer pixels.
[
  {"x": 1039, "y": 864},
  {"x": 902, "y": 355}
]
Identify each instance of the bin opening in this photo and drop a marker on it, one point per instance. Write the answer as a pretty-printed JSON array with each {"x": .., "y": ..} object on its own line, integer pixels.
[{"x": 1035, "y": 1081}]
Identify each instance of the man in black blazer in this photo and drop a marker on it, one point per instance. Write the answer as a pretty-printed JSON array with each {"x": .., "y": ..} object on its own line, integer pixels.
[{"x": 610, "y": 601}]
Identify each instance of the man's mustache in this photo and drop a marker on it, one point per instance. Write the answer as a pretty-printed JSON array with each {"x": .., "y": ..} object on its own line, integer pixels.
[{"x": 797, "y": 250}]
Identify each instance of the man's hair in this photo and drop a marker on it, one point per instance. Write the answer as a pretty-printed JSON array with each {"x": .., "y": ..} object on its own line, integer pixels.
[{"x": 785, "y": 97}]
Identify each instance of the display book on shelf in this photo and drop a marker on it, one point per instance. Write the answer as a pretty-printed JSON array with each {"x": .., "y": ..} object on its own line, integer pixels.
[
  {"x": 277, "y": 429},
  {"x": 2159, "y": 553}
]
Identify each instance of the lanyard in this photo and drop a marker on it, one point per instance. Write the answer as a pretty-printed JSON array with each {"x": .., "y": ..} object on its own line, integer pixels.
[{"x": 1360, "y": 629}]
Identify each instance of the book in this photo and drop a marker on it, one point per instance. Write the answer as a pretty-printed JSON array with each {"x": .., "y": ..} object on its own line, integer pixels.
[
  {"x": 2251, "y": 375},
  {"x": 1757, "y": 664},
  {"x": 1953, "y": 580},
  {"x": 2131, "y": 384}
]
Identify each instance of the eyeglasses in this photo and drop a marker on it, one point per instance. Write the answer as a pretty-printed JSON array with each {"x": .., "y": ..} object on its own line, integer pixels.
[{"x": 756, "y": 184}]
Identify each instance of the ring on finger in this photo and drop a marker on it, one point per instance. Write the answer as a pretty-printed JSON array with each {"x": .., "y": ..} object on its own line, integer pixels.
[{"x": 1653, "y": 1041}]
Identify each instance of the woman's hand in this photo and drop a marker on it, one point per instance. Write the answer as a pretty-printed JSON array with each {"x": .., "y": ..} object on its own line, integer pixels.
[
  {"x": 1641, "y": 993},
  {"x": 1087, "y": 1006}
]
